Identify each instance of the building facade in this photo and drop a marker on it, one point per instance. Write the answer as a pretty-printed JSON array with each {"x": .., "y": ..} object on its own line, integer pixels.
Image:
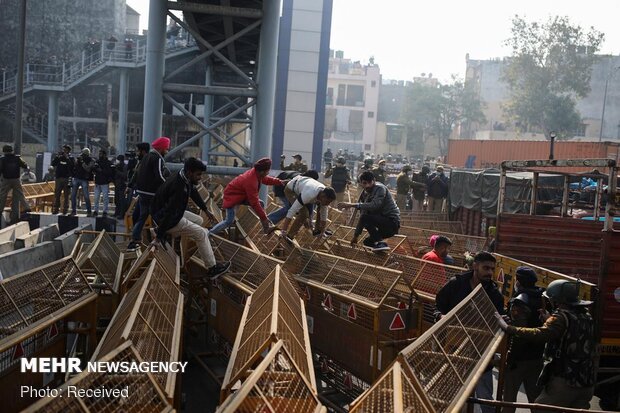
[
  {"x": 600, "y": 108},
  {"x": 352, "y": 105}
]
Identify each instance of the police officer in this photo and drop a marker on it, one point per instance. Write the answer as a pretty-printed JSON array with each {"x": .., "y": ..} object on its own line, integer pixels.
[
  {"x": 379, "y": 172},
  {"x": 568, "y": 374},
  {"x": 524, "y": 361},
  {"x": 341, "y": 177},
  {"x": 403, "y": 184},
  {"x": 297, "y": 165},
  {"x": 10, "y": 164}
]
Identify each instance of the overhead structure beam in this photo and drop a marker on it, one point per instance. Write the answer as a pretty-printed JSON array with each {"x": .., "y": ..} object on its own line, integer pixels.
[
  {"x": 209, "y": 90},
  {"x": 210, "y": 129},
  {"x": 215, "y": 9}
]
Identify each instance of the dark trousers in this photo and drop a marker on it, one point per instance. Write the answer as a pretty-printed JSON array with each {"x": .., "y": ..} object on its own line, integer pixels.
[
  {"x": 379, "y": 227},
  {"x": 145, "y": 210},
  {"x": 61, "y": 187},
  {"x": 120, "y": 199}
]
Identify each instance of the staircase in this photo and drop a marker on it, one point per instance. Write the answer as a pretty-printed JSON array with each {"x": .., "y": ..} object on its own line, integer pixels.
[{"x": 64, "y": 76}]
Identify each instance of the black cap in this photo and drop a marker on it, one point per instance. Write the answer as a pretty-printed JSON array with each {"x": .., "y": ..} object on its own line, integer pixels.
[
  {"x": 298, "y": 156},
  {"x": 7, "y": 149},
  {"x": 526, "y": 276}
]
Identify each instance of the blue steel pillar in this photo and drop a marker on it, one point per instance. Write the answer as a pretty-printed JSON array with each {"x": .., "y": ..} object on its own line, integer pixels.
[
  {"x": 208, "y": 109},
  {"x": 266, "y": 79},
  {"x": 154, "y": 76},
  {"x": 52, "y": 122},
  {"x": 123, "y": 105}
]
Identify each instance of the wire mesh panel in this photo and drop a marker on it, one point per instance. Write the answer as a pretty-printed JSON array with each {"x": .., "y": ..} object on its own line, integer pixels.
[
  {"x": 449, "y": 357},
  {"x": 165, "y": 257},
  {"x": 350, "y": 277},
  {"x": 419, "y": 238},
  {"x": 454, "y": 227},
  {"x": 150, "y": 315},
  {"x": 250, "y": 226},
  {"x": 104, "y": 259},
  {"x": 274, "y": 311},
  {"x": 143, "y": 395},
  {"x": 397, "y": 391},
  {"x": 39, "y": 294},
  {"x": 276, "y": 385}
]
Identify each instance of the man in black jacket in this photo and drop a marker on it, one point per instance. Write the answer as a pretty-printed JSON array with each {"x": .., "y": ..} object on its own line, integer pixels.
[
  {"x": 103, "y": 176},
  {"x": 82, "y": 173},
  {"x": 169, "y": 212},
  {"x": 456, "y": 290},
  {"x": 120, "y": 185},
  {"x": 64, "y": 164},
  {"x": 10, "y": 165},
  {"x": 150, "y": 175},
  {"x": 379, "y": 214}
]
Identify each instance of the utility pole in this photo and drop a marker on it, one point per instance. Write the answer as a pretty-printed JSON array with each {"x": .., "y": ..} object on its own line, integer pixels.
[
  {"x": 19, "y": 80},
  {"x": 611, "y": 73}
]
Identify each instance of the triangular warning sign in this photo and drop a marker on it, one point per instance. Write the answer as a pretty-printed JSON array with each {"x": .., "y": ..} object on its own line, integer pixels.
[
  {"x": 18, "y": 351},
  {"x": 397, "y": 323},
  {"x": 352, "y": 313},
  {"x": 348, "y": 381},
  {"x": 52, "y": 332},
  {"x": 402, "y": 305},
  {"x": 327, "y": 302},
  {"x": 500, "y": 276},
  {"x": 308, "y": 295}
]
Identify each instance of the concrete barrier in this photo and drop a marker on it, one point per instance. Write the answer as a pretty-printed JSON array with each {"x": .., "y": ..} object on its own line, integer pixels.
[
  {"x": 6, "y": 246},
  {"x": 66, "y": 241},
  {"x": 11, "y": 232},
  {"x": 37, "y": 236},
  {"x": 25, "y": 259}
]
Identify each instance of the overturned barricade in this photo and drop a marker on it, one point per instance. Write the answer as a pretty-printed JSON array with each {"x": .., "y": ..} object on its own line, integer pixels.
[
  {"x": 167, "y": 259},
  {"x": 358, "y": 313},
  {"x": 272, "y": 313},
  {"x": 103, "y": 262},
  {"x": 138, "y": 391},
  {"x": 151, "y": 317},
  {"x": 275, "y": 385},
  {"x": 39, "y": 309},
  {"x": 438, "y": 371}
]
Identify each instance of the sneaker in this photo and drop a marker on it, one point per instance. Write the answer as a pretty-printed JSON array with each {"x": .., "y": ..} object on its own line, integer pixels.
[
  {"x": 368, "y": 243},
  {"x": 94, "y": 214},
  {"x": 381, "y": 246},
  {"x": 55, "y": 212},
  {"x": 133, "y": 245},
  {"x": 73, "y": 213},
  {"x": 218, "y": 269}
]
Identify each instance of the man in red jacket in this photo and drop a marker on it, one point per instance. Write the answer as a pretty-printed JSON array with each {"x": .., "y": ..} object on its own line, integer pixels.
[{"x": 244, "y": 190}]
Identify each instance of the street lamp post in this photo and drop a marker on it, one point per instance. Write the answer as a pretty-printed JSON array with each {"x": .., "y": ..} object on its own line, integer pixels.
[{"x": 611, "y": 73}]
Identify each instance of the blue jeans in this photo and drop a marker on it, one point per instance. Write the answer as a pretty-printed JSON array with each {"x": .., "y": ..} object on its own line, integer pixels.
[
  {"x": 105, "y": 191},
  {"x": 278, "y": 215},
  {"x": 144, "y": 201},
  {"x": 228, "y": 221},
  {"x": 76, "y": 184}
]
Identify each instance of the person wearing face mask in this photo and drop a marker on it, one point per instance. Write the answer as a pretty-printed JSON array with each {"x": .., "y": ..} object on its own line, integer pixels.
[
  {"x": 524, "y": 361},
  {"x": 456, "y": 290},
  {"x": 437, "y": 190},
  {"x": 104, "y": 174},
  {"x": 379, "y": 172},
  {"x": 403, "y": 184}
]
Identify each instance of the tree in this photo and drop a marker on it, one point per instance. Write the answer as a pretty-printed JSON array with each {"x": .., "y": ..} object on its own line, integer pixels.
[
  {"x": 434, "y": 111},
  {"x": 550, "y": 67}
]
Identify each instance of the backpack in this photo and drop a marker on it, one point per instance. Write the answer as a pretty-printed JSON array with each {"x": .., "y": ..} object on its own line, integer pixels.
[{"x": 574, "y": 353}]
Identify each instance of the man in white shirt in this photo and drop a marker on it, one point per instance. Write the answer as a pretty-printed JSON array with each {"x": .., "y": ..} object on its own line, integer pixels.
[{"x": 302, "y": 191}]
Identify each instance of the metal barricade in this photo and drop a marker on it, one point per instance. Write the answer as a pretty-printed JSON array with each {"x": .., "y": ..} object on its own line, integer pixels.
[
  {"x": 273, "y": 312},
  {"x": 419, "y": 238},
  {"x": 103, "y": 261},
  {"x": 151, "y": 317},
  {"x": 439, "y": 370},
  {"x": 142, "y": 390},
  {"x": 37, "y": 307}
]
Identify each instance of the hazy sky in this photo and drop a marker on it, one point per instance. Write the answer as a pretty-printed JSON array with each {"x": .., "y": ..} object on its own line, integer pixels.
[{"x": 409, "y": 37}]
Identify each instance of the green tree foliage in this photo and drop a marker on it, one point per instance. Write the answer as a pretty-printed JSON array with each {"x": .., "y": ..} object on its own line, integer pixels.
[
  {"x": 550, "y": 67},
  {"x": 434, "y": 111}
]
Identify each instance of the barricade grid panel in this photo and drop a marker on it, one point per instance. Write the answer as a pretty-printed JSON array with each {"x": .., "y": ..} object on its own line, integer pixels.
[
  {"x": 147, "y": 317},
  {"x": 275, "y": 386},
  {"x": 275, "y": 300},
  {"x": 32, "y": 296},
  {"x": 448, "y": 355},
  {"x": 31, "y": 345},
  {"x": 420, "y": 237},
  {"x": 143, "y": 395},
  {"x": 425, "y": 276}
]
